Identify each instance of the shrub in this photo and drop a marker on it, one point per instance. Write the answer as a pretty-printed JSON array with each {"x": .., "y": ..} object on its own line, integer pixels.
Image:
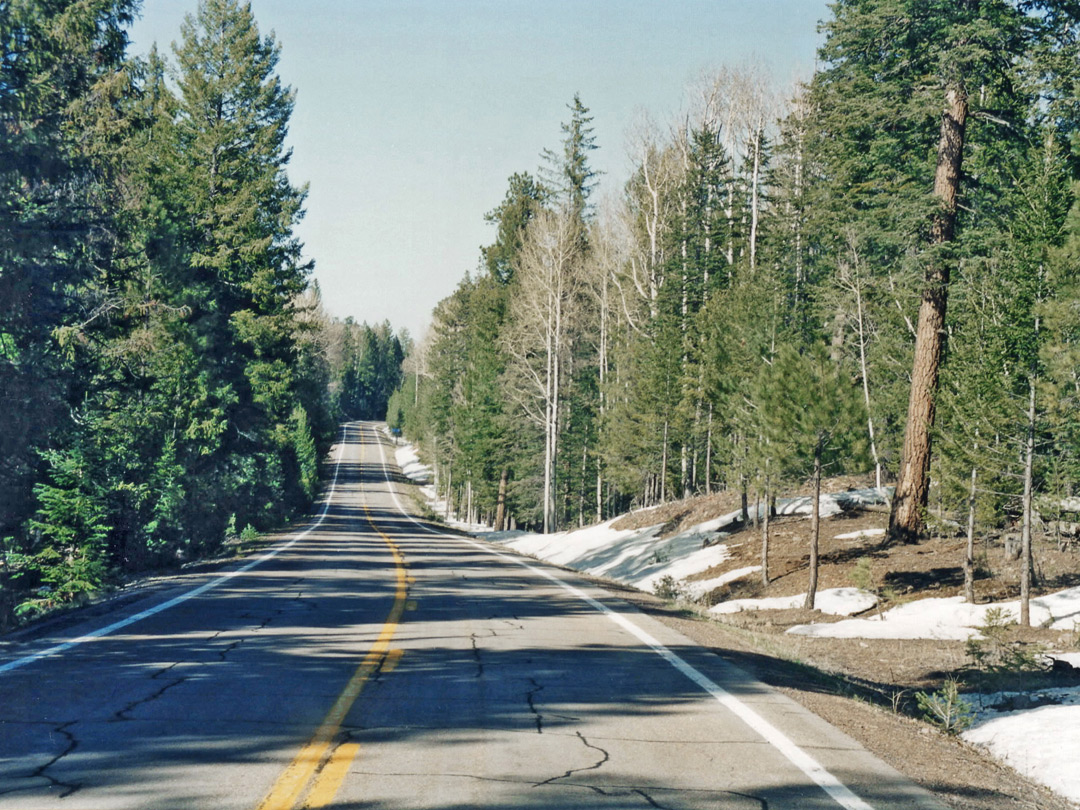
[
  {"x": 945, "y": 708},
  {"x": 996, "y": 652},
  {"x": 667, "y": 587}
]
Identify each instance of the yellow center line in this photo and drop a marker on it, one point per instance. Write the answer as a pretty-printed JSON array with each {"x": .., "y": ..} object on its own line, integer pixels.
[
  {"x": 330, "y": 778},
  {"x": 313, "y": 762}
]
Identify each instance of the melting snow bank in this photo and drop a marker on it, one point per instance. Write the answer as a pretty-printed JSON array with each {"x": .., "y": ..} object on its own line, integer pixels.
[
  {"x": 1042, "y": 743},
  {"x": 632, "y": 556},
  {"x": 835, "y": 601},
  {"x": 422, "y": 475},
  {"x": 638, "y": 557},
  {"x": 411, "y": 466},
  {"x": 948, "y": 618}
]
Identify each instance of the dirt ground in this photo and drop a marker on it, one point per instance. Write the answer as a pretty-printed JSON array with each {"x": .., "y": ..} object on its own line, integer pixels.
[{"x": 866, "y": 687}]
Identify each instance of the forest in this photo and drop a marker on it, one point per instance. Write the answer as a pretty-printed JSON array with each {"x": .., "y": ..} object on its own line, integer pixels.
[
  {"x": 169, "y": 379},
  {"x": 877, "y": 270}
]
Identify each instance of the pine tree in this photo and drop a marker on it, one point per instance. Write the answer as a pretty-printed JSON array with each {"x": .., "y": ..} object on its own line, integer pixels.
[
  {"x": 900, "y": 82},
  {"x": 523, "y": 199},
  {"x": 568, "y": 176},
  {"x": 810, "y": 415},
  {"x": 245, "y": 267},
  {"x": 55, "y": 59}
]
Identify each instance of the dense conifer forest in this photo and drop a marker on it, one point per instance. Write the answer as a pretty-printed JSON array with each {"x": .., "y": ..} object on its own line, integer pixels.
[{"x": 169, "y": 379}]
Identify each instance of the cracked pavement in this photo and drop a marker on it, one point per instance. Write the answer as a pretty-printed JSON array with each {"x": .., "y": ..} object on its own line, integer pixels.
[{"x": 501, "y": 690}]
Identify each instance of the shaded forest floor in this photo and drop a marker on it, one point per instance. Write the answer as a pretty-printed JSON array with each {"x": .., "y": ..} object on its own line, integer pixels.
[{"x": 866, "y": 687}]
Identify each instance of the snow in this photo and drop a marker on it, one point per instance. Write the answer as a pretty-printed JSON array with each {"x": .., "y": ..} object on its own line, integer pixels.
[
  {"x": 835, "y": 601},
  {"x": 410, "y": 465},
  {"x": 948, "y": 618},
  {"x": 859, "y": 535},
  {"x": 1042, "y": 741},
  {"x": 632, "y": 556},
  {"x": 695, "y": 589}
]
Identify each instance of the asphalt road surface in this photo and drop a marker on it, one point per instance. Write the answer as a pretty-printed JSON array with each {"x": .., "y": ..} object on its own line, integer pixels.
[{"x": 371, "y": 661}]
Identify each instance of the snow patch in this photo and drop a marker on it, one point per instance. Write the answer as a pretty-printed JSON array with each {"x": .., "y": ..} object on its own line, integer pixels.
[
  {"x": 699, "y": 587},
  {"x": 1042, "y": 742},
  {"x": 861, "y": 534},
  {"x": 948, "y": 618},
  {"x": 834, "y": 601}
]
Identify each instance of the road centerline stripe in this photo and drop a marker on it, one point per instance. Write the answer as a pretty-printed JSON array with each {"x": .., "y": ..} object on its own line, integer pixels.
[{"x": 319, "y": 763}]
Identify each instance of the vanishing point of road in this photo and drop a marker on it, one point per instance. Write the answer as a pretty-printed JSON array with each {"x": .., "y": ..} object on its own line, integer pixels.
[{"x": 372, "y": 660}]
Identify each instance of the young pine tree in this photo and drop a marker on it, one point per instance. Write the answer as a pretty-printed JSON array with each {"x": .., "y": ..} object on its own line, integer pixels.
[{"x": 811, "y": 416}]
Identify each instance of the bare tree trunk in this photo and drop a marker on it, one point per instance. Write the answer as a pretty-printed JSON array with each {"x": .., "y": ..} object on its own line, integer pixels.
[
  {"x": 708, "y": 454},
  {"x": 860, "y": 317},
  {"x": 599, "y": 492},
  {"x": 549, "y": 469},
  {"x": 581, "y": 485},
  {"x": 969, "y": 557},
  {"x": 755, "y": 182},
  {"x": 815, "y": 528},
  {"x": 663, "y": 467},
  {"x": 1025, "y": 533},
  {"x": 765, "y": 536},
  {"x": 602, "y": 396},
  {"x": 684, "y": 469},
  {"x": 500, "y": 502},
  {"x": 913, "y": 485},
  {"x": 449, "y": 490}
]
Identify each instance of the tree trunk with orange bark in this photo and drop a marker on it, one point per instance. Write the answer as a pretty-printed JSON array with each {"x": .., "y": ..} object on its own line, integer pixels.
[{"x": 906, "y": 522}]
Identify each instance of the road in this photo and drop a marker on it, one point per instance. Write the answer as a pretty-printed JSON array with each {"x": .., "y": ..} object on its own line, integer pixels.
[{"x": 372, "y": 661}]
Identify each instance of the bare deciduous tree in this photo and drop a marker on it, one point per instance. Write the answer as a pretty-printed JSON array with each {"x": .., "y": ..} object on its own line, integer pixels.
[{"x": 538, "y": 342}]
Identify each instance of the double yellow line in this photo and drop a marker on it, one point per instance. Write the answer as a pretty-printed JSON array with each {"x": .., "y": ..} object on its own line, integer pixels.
[{"x": 316, "y": 773}]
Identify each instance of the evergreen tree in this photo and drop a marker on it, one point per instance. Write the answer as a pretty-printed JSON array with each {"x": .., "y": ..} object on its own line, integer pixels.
[
  {"x": 904, "y": 101},
  {"x": 809, "y": 413},
  {"x": 523, "y": 199},
  {"x": 245, "y": 268},
  {"x": 569, "y": 176},
  {"x": 56, "y": 60}
]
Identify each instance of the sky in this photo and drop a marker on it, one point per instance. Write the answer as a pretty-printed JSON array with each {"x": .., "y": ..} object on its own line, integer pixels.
[{"x": 411, "y": 115}]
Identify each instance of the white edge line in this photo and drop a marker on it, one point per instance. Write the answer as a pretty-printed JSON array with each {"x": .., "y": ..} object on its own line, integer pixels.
[
  {"x": 176, "y": 600},
  {"x": 839, "y": 792}
]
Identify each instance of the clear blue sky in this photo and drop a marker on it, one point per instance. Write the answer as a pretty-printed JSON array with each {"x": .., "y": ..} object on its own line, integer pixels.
[{"x": 412, "y": 114}]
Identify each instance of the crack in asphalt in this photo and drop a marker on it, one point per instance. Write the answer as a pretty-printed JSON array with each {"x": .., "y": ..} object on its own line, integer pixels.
[
  {"x": 223, "y": 652},
  {"x": 652, "y": 802},
  {"x": 119, "y": 715},
  {"x": 163, "y": 670},
  {"x": 612, "y": 791},
  {"x": 476, "y": 655},
  {"x": 605, "y": 757},
  {"x": 530, "y": 698},
  {"x": 72, "y": 744},
  {"x": 41, "y": 771}
]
